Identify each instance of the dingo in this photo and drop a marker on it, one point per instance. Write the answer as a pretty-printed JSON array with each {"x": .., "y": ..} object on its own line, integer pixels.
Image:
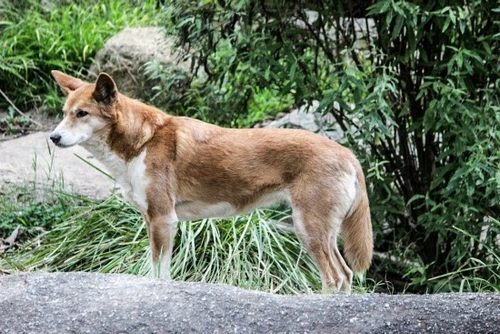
[{"x": 178, "y": 168}]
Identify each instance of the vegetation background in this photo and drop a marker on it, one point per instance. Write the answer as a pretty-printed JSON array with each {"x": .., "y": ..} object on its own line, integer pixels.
[{"x": 413, "y": 85}]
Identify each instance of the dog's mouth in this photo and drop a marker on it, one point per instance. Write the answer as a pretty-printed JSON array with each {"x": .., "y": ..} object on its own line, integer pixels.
[
  {"x": 61, "y": 145},
  {"x": 57, "y": 140}
]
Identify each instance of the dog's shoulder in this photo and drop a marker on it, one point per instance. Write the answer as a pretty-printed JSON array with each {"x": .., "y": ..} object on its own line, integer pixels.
[{"x": 195, "y": 131}]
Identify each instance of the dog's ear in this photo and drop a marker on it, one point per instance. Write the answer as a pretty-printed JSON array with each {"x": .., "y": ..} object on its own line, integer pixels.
[
  {"x": 67, "y": 82},
  {"x": 105, "y": 89}
]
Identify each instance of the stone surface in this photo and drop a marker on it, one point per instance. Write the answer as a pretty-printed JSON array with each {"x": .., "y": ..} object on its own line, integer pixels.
[
  {"x": 100, "y": 303},
  {"x": 33, "y": 158}
]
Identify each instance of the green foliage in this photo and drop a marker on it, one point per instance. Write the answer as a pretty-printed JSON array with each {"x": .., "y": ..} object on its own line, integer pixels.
[
  {"x": 21, "y": 207},
  {"x": 448, "y": 150},
  {"x": 35, "y": 39},
  {"x": 235, "y": 103},
  {"x": 417, "y": 98},
  {"x": 13, "y": 123}
]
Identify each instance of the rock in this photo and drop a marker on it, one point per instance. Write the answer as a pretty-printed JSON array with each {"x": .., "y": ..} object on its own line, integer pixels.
[
  {"x": 112, "y": 303},
  {"x": 306, "y": 117},
  {"x": 34, "y": 159},
  {"x": 125, "y": 55}
]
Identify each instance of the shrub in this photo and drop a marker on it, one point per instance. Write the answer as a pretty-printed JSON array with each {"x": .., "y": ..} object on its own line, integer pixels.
[{"x": 413, "y": 86}]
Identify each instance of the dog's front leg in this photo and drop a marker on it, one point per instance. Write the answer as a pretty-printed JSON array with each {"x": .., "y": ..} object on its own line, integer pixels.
[{"x": 161, "y": 233}]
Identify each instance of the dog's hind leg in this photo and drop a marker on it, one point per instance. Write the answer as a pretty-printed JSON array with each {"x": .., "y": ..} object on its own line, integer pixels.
[
  {"x": 339, "y": 261},
  {"x": 318, "y": 211},
  {"x": 316, "y": 236}
]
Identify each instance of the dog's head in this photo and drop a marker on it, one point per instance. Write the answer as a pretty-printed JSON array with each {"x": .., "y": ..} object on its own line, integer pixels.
[{"x": 88, "y": 108}]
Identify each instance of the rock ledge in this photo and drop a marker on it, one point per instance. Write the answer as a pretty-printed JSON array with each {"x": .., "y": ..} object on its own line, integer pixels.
[{"x": 111, "y": 303}]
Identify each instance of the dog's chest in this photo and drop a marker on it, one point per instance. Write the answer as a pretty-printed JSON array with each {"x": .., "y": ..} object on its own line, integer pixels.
[
  {"x": 130, "y": 176},
  {"x": 133, "y": 182}
]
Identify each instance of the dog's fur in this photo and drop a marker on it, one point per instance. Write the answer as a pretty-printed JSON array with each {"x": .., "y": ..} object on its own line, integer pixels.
[{"x": 178, "y": 168}]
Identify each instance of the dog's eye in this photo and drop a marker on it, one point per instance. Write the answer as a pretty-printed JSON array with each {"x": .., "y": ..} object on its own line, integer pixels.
[{"x": 81, "y": 114}]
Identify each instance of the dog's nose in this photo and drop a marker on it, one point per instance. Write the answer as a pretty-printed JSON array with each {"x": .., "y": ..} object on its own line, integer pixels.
[{"x": 55, "y": 137}]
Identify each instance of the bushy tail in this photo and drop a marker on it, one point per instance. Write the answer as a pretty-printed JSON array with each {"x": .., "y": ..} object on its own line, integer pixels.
[{"x": 357, "y": 230}]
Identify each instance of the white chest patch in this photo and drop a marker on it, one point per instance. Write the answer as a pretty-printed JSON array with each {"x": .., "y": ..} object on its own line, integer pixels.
[
  {"x": 134, "y": 182},
  {"x": 131, "y": 176}
]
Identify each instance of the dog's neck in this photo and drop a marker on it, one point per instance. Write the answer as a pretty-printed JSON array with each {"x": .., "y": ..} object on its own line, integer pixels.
[
  {"x": 115, "y": 164},
  {"x": 132, "y": 127},
  {"x": 126, "y": 136}
]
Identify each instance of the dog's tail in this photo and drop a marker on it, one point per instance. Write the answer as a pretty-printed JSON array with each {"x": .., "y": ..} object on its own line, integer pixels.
[{"x": 357, "y": 229}]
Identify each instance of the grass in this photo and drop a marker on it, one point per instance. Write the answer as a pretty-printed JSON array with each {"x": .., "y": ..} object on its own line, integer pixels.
[
  {"x": 110, "y": 237},
  {"x": 474, "y": 274}
]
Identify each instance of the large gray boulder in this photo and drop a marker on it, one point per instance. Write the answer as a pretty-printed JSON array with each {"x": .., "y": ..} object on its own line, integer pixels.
[
  {"x": 308, "y": 118},
  {"x": 128, "y": 55},
  {"x": 99, "y": 303}
]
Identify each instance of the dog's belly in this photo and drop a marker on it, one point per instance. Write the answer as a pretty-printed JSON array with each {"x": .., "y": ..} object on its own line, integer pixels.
[{"x": 194, "y": 210}]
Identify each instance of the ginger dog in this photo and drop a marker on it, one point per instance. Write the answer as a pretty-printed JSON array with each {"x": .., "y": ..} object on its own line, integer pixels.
[{"x": 178, "y": 168}]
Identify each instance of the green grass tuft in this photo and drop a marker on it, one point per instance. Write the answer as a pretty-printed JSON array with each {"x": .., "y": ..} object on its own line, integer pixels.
[{"x": 110, "y": 237}]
